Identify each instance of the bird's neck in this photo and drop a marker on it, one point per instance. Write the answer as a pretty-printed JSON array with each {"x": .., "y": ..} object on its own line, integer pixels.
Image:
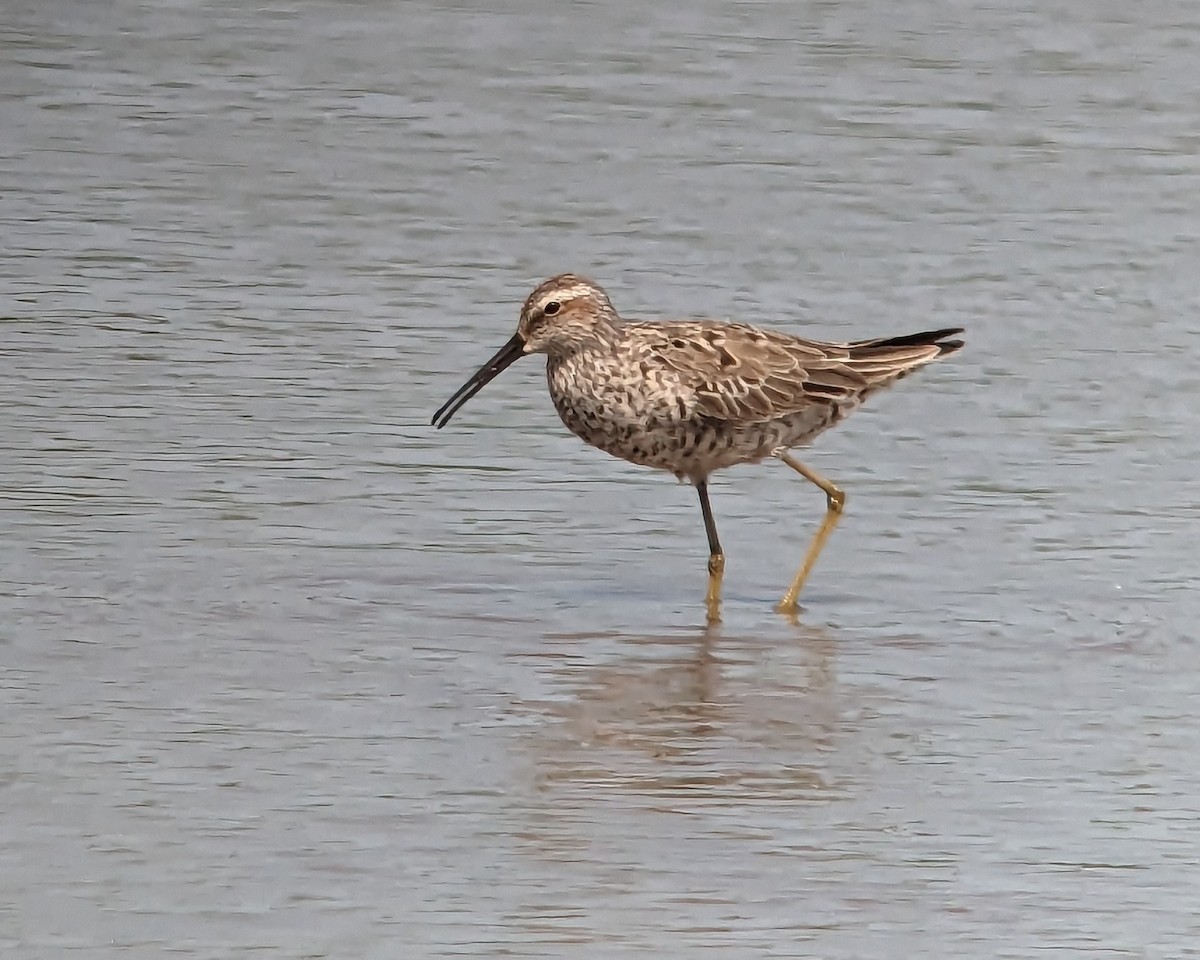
[
  {"x": 607, "y": 331},
  {"x": 602, "y": 337}
]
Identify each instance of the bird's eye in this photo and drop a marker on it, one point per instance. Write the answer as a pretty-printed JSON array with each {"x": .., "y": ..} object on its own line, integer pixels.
[{"x": 551, "y": 308}]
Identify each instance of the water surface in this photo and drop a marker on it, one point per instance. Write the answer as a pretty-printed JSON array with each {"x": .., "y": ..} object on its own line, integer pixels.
[{"x": 287, "y": 671}]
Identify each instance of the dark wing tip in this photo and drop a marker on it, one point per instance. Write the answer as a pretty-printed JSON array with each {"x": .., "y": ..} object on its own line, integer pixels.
[
  {"x": 950, "y": 346},
  {"x": 927, "y": 338}
]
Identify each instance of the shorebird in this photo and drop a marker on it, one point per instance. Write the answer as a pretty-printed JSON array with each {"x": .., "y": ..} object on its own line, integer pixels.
[{"x": 695, "y": 396}]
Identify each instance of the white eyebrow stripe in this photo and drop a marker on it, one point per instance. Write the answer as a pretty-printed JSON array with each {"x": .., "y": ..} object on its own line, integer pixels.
[{"x": 572, "y": 292}]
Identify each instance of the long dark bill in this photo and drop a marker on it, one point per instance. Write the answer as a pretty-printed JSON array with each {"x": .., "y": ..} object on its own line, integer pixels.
[{"x": 504, "y": 358}]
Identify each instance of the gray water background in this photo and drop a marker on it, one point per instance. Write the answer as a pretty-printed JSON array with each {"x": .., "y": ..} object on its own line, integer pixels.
[{"x": 288, "y": 673}]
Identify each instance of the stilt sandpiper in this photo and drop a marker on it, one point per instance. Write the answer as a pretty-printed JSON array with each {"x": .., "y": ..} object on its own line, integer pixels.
[{"x": 696, "y": 396}]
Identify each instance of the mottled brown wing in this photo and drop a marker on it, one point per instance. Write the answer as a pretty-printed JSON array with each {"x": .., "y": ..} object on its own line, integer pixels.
[{"x": 739, "y": 372}]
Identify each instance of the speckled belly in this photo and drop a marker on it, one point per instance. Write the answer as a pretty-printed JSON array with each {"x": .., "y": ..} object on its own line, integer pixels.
[
  {"x": 690, "y": 448},
  {"x": 637, "y": 412}
]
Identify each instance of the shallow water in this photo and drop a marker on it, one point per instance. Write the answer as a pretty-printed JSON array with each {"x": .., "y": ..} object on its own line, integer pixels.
[{"x": 286, "y": 670}]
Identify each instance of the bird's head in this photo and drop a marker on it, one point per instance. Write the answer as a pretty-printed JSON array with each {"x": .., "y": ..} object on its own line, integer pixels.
[{"x": 563, "y": 313}]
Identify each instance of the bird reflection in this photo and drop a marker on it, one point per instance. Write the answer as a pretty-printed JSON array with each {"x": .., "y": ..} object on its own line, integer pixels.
[{"x": 712, "y": 716}]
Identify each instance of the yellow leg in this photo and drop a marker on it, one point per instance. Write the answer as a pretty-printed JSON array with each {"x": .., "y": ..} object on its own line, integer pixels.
[
  {"x": 835, "y": 503},
  {"x": 712, "y": 599},
  {"x": 716, "y": 559}
]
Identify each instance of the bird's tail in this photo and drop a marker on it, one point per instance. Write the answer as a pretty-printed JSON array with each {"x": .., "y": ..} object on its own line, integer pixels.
[{"x": 886, "y": 359}]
